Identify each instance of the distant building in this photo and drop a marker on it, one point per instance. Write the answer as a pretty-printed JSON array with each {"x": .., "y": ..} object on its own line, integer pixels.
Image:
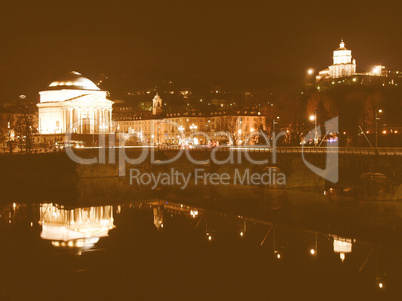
[
  {"x": 160, "y": 128},
  {"x": 156, "y": 105},
  {"x": 74, "y": 104},
  {"x": 17, "y": 122},
  {"x": 343, "y": 71},
  {"x": 343, "y": 64}
]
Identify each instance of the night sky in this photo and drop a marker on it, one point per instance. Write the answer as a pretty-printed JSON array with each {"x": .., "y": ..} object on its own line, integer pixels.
[{"x": 190, "y": 41}]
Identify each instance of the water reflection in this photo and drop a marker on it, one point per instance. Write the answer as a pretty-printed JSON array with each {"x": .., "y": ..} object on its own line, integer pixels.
[
  {"x": 222, "y": 245},
  {"x": 342, "y": 246},
  {"x": 78, "y": 227},
  {"x": 286, "y": 242}
]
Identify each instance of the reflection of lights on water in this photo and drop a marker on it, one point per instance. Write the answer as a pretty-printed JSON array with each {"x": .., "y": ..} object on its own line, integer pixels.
[
  {"x": 277, "y": 255},
  {"x": 78, "y": 243},
  {"x": 342, "y": 246},
  {"x": 380, "y": 283}
]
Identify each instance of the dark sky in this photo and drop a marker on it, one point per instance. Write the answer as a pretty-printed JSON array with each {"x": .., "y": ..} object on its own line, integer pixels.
[{"x": 134, "y": 41}]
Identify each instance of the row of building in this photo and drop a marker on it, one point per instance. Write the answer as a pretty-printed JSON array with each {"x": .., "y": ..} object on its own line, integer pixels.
[{"x": 74, "y": 104}]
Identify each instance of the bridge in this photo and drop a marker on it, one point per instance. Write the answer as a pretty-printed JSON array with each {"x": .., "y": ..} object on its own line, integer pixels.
[{"x": 297, "y": 149}]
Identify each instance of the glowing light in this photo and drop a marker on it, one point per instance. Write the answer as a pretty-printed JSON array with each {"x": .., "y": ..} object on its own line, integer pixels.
[
  {"x": 342, "y": 256},
  {"x": 241, "y": 233},
  {"x": 380, "y": 111},
  {"x": 376, "y": 70},
  {"x": 384, "y": 132},
  {"x": 380, "y": 285},
  {"x": 312, "y": 117},
  {"x": 278, "y": 256},
  {"x": 312, "y": 252},
  {"x": 310, "y": 71}
]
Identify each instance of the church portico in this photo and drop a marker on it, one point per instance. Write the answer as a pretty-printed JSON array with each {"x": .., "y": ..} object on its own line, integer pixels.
[{"x": 88, "y": 111}]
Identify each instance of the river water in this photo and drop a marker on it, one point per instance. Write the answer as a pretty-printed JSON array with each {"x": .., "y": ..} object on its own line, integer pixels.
[{"x": 209, "y": 244}]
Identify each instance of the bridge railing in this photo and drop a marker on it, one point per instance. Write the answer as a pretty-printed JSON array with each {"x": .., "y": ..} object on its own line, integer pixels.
[{"x": 297, "y": 150}]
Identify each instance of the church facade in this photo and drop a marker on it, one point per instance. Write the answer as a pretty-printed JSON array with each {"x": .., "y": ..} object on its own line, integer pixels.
[
  {"x": 74, "y": 104},
  {"x": 343, "y": 64}
]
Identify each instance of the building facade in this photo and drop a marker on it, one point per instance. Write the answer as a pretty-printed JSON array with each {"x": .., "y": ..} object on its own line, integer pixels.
[
  {"x": 191, "y": 127},
  {"x": 343, "y": 64},
  {"x": 74, "y": 104}
]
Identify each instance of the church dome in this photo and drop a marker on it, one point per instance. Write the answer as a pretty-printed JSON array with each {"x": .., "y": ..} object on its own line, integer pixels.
[{"x": 73, "y": 80}]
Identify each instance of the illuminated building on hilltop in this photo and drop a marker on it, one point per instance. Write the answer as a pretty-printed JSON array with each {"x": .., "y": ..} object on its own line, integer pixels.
[
  {"x": 343, "y": 64},
  {"x": 74, "y": 104},
  {"x": 343, "y": 71}
]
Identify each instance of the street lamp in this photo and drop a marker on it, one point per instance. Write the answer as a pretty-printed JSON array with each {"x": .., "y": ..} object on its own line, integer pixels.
[
  {"x": 273, "y": 128},
  {"x": 310, "y": 71},
  {"x": 314, "y": 118},
  {"x": 314, "y": 251},
  {"x": 376, "y": 127}
]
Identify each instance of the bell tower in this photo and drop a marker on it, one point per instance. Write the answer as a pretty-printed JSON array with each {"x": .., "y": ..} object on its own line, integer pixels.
[{"x": 156, "y": 105}]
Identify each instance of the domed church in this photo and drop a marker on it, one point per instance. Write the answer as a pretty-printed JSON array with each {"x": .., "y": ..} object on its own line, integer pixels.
[{"x": 74, "y": 104}]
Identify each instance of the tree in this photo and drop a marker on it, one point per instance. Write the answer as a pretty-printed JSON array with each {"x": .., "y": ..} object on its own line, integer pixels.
[
  {"x": 23, "y": 128},
  {"x": 231, "y": 125}
]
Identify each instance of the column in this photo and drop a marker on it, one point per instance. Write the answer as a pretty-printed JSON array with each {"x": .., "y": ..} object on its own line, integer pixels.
[
  {"x": 70, "y": 126},
  {"x": 80, "y": 120},
  {"x": 64, "y": 126},
  {"x": 110, "y": 120},
  {"x": 103, "y": 119}
]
